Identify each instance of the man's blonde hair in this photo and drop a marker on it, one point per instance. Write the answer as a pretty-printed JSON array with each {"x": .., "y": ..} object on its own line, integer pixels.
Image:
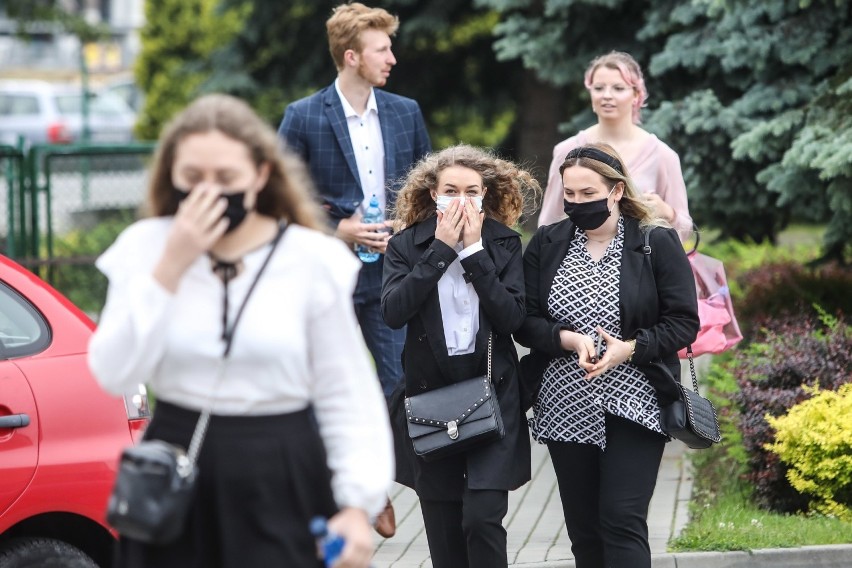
[{"x": 346, "y": 23}]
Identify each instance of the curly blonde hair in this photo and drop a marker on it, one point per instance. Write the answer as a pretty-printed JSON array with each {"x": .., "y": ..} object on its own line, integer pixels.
[
  {"x": 613, "y": 170},
  {"x": 511, "y": 190}
]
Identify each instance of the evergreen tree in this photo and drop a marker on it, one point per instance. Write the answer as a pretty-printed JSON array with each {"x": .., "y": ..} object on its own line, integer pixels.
[
  {"x": 753, "y": 95},
  {"x": 178, "y": 40}
]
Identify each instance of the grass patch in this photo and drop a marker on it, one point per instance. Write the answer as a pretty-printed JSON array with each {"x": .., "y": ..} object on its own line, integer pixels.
[
  {"x": 731, "y": 522},
  {"x": 723, "y": 516}
]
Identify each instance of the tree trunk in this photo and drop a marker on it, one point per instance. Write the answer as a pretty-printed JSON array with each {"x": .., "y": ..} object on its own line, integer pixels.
[{"x": 538, "y": 117}]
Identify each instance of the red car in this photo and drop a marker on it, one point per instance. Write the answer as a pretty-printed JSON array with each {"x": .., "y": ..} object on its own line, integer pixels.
[{"x": 60, "y": 434}]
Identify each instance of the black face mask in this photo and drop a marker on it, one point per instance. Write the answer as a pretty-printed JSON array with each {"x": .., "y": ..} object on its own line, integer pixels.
[
  {"x": 589, "y": 215},
  {"x": 235, "y": 212}
]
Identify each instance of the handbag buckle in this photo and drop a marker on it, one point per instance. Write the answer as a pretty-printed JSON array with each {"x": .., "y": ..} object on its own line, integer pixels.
[
  {"x": 452, "y": 429},
  {"x": 183, "y": 466}
]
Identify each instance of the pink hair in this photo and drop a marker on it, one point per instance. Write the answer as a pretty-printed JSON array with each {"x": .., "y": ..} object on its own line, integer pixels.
[{"x": 630, "y": 72}]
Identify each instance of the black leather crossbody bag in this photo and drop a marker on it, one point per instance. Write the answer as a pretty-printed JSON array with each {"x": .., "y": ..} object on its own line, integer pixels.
[
  {"x": 156, "y": 480},
  {"x": 691, "y": 418},
  {"x": 684, "y": 414},
  {"x": 454, "y": 418}
]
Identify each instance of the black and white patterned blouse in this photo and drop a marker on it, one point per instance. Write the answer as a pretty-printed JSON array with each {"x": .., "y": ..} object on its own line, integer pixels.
[{"x": 570, "y": 408}]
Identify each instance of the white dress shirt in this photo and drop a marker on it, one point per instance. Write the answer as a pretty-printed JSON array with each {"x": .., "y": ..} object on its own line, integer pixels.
[
  {"x": 365, "y": 132},
  {"x": 297, "y": 344},
  {"x": 459, "y": 304}
]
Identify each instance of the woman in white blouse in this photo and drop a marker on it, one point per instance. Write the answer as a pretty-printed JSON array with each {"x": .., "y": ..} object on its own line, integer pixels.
[
  {"x": 299, "y": 426},
  {"x": 454, "y": 276}
]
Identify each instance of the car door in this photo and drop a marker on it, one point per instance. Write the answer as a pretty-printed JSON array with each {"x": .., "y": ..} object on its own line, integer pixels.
[
  {"x": 23, "y": 333},
  {"x": 18, "y": 434}
]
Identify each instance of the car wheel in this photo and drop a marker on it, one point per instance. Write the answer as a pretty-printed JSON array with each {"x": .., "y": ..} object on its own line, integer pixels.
[{"x": 43, "y": 553}]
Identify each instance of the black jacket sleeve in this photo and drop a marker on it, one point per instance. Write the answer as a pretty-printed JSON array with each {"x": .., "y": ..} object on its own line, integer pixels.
[
  {"x": 538, "y": 331},
  {"x": 405, "y": 286}
]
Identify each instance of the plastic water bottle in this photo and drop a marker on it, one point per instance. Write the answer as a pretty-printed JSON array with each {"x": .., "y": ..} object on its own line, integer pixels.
[
  {"x": 330, "y": 544},
  {"x": 373, "y": 214}
]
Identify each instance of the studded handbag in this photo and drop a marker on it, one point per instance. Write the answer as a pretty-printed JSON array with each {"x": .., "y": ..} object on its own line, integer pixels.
[{"x": 454, "y": 418}]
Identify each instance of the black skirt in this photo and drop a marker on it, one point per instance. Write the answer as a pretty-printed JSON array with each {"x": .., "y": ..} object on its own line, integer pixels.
[{"x": 261, "y": 480}]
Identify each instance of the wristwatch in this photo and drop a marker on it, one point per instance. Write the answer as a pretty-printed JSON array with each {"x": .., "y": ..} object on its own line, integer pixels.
[{"x": 632, "y": 343}]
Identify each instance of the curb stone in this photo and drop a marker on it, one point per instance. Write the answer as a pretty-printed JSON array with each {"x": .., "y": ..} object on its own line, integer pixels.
[{"x": 827, "y": 556}]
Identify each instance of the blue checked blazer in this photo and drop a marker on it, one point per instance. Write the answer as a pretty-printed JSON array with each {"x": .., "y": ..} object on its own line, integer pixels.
[{"x": 315, "y": 128}]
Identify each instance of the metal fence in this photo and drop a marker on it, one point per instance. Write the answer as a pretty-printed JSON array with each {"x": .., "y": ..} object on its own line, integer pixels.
[{"x": 64, "y": 204}]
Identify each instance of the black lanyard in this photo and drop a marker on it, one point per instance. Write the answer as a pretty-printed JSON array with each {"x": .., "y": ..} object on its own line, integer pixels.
[{"x": 228, "y": 270}]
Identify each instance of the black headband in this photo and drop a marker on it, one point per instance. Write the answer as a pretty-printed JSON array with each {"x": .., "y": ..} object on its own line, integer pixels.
[{"x": 595, "y": 154}]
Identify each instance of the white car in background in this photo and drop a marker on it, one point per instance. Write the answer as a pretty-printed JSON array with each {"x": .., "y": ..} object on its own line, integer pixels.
[{"x": 44, "y": 112}]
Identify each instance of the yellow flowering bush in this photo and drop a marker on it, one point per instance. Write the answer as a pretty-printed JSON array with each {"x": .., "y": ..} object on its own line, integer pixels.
[{"x": 814, "y": 439}]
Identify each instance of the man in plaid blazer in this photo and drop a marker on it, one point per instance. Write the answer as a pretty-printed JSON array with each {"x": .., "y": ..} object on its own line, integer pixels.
[{"x": 359, "y": 141}]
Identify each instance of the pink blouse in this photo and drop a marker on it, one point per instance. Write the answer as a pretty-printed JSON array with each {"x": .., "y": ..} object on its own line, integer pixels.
[{"x": 655, "y": 169}]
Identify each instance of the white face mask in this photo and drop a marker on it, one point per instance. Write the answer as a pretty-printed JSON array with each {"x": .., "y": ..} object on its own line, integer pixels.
[{"x": 443, "y": 201}]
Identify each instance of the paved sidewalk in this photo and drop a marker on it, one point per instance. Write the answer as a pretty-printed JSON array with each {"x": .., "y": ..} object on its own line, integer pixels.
[
  {"x": 536, "y": 528},
  {"x": 537, "y": 537},
  {"x": 535, "y": 524}
]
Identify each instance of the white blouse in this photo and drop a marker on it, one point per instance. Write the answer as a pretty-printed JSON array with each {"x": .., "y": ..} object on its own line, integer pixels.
[
  {"x": 297, "y": 344},
  {"x": 459, "y": 304}
]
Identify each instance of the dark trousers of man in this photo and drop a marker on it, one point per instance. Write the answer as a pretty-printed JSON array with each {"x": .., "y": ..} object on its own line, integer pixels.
[
  {"x": 467, "y": 533},
  {"x": 385, "y": 344},
  {"x": 605, "y": 494}
]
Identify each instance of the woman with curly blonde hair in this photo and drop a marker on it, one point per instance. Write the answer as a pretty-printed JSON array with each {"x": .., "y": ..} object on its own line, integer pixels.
[{"x": 454, "y": 276}]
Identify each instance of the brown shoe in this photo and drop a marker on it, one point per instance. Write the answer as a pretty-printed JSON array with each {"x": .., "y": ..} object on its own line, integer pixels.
[{"x": 386, "y": 521}]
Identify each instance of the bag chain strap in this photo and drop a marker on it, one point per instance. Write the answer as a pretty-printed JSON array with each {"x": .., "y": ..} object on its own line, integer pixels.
[
  {"x": 692, "y": 367},
  {"x": 228, "y": 335},
  {"x": 647, "y": 250},
  {"x": 489, "y": 356}
]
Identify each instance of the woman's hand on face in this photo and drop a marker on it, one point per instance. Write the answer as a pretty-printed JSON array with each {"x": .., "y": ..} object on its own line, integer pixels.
[
  {"x": 450, "y": 224},
  {"x": 617, "y": 352},
  {"x": 198, "y": 224},
  {"x": 354, "y": 526},
  {"x": 472, "y": 231}
]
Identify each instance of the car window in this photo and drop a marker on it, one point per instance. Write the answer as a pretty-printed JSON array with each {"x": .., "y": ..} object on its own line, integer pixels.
[
  {"x": 18, "y": 105},
  {"x": 104, "y": 104},
  {"x": 110, "y": 104},
  {"x": 23, "y": 330},
  {"x": 68, "y": 104}
]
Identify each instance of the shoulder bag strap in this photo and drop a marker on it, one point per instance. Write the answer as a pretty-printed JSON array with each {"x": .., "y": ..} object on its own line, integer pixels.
[
  {"x": 228, "y": 335},
  {"x": 647, "y": 250}
]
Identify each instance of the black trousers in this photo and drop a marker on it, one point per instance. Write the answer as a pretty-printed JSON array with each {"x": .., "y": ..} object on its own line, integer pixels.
[
  {"x": 467, "y": 533},
  {"x": 261, "y": 480},
  {"x": 605, "y": 494}
]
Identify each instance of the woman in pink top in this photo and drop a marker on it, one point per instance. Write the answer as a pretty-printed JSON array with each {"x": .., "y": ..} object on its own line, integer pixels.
[{"x": 617, "y": 89}]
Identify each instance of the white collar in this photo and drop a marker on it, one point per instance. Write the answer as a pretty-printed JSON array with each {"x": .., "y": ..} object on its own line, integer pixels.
[{"x": 348, "y": 111}]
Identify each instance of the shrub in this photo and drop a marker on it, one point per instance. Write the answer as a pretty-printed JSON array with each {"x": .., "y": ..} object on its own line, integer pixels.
[
  {"x": 777, "y": 290},
  {"x": 814, "y": 440},
  {"x": 771, "y": 373},
  {"x": 75, "y": 274}
]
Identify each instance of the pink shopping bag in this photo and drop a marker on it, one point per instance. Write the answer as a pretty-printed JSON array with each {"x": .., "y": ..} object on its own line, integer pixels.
[{"x": 719, "y": 329}]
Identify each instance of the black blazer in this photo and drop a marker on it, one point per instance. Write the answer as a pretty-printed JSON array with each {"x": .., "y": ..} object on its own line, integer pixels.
[
  {"x": 658, "y": 303},
  {"x": 414, "y": 262}
]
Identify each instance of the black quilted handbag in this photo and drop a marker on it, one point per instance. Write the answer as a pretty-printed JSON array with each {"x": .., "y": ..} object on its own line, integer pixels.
[
  {"x": 454, "y": 418},
  {"x": 692, "y": 418}
]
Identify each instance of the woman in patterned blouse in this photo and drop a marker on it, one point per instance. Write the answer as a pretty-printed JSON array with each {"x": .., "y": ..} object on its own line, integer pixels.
[{"x": 599, "y": 307}]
